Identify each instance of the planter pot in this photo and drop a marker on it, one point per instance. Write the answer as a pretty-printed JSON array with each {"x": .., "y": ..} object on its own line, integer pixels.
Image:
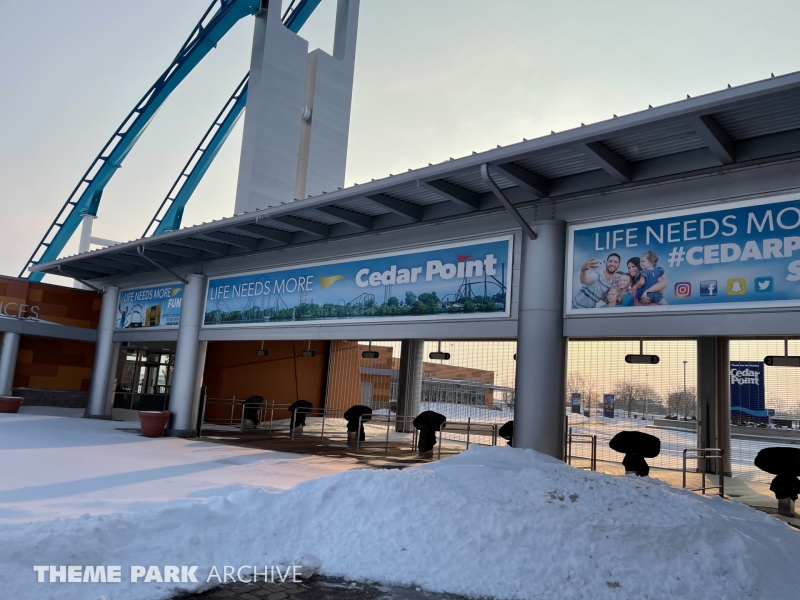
[
  {"x": 10, "y": 404},
  {"x": 153, "y": 422}
]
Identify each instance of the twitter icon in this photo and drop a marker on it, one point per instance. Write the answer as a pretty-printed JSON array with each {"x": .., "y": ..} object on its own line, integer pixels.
[{"x": 764, "y": 284}]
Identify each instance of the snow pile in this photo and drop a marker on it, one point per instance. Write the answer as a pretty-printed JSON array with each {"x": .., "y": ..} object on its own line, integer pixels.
[
  {"x": 499, "y": 522},
  {"x": 56, "y": 467}
]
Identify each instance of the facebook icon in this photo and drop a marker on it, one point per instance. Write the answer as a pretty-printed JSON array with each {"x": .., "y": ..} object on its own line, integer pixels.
[{"x": 708, "y": 288}]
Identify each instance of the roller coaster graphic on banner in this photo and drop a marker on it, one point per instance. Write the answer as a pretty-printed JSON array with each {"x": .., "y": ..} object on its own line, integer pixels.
[
  {"x": 257, "y": 311},
  {"x": 215, "y": 23},
  {"x": 464, "y": 280}
]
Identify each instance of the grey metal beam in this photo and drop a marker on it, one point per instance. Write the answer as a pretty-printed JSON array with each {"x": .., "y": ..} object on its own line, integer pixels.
[
  {"x": 127, "y": 259},
  {"x": 317, "y": 229},
  {"x": 211, "y": 247},
  {"x": 177, "y": 251},
  {"x": 539, "y": 186},
  {"x": 610, "y": 162},
  {"x": 398, "y": 207},
  {"x": 85, "y": 272},
  {"x": 60, "y": 269},
  {"x": 163, "y": 257},
  {"x": 348, "y": 216},
  {"x": 276, "y": 235},
  {"x": 765, "y": 146},
  {"x": 233, "y": 240},
  {"x": 501, "y": 197},
  {"x": 140, "y": 250},
  {"x": 89, "y": 265},
  {"x": 122, "y": 266},
  {"x": 715, "y": 138},
  {"x": 451, "y": 192}
]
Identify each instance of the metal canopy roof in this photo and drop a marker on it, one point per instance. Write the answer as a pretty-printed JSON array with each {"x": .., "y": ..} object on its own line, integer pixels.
[{"x": 750, "y": 124}]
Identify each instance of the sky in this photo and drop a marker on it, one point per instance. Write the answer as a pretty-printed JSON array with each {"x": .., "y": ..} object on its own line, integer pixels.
[{"x": 434, "y": 79}]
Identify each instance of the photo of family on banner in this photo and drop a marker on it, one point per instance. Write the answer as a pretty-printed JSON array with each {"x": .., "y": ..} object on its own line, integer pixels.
[
  {"x": 738, "y": 255},
  {"x": 605, "y": 283}
]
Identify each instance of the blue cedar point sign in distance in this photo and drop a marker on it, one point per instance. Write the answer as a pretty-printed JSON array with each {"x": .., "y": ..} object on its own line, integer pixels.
[{"x": 747, "y": 391}]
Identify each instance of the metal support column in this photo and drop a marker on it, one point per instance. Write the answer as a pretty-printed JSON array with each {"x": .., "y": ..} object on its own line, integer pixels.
[
  {"x": 723, "y": 416},
  {"x": 409, "y": 385},
  {"x": 8, "y": 362},
  {"x": 99, "y": 405},
  {"x": 202, "y": 349},
  {"x": 707, "y": 399},
  {"x": 541, "y": 348},
  {"x": 182, "y": 399}
]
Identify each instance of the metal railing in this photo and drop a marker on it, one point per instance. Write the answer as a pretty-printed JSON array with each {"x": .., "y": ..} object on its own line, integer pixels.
[
  {"x": 582, "y": 439},
  {"x": 326, "y": 414},
  {"x": 466, "y": 428},
  {"x": 239, "y": 411},
  {"x": 702, "y": 454},
  {"x": 236, "y": 413},
  {"x": 389, "y": 421}
]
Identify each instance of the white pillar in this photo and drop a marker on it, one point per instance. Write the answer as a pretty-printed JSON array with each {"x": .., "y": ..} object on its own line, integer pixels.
[
  {"x": 85, "y": 244},
  {"x": 182, "y": 398},
  {"x": 8, "y": 362},
  {"x": 99, "y": 406},
  {"x": 329, "y": 94},
  {"x": 409, "y": 383},
  {"x": 724, "y": 403},
  {"x": 539, "y": 414},
  {"x": 271, "y": 135},
  {"x": 202, "y": 349}
]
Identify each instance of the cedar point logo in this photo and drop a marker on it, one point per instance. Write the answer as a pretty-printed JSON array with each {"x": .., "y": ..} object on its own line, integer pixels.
[{"x": 744, "y": 376}]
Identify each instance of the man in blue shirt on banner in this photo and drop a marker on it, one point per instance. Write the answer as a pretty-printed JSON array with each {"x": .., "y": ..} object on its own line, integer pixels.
[{"x": 595, "y": 281}]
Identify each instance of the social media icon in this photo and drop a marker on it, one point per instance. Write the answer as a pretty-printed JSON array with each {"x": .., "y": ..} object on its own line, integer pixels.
[
  {"x": 764, "y": 284},
  {"x": 708, "y": 288},
  {"x": 737, "y": 286},
  {"x": 683, "y": 289}
]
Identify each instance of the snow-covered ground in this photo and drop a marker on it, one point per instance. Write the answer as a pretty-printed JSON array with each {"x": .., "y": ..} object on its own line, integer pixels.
[
  {"x": 500, "y": 522},
  {"x": 60, "y": 467}
]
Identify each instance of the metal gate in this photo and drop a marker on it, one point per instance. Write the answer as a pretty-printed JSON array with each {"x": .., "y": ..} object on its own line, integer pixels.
[
  {"x": 782, "y": 402},
  {"x": 606, "y": 395}
]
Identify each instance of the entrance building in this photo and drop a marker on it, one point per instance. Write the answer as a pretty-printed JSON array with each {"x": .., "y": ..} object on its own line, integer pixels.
[
  {"x": 48, "y": 342},
  {"x": 671, "y": 230}
]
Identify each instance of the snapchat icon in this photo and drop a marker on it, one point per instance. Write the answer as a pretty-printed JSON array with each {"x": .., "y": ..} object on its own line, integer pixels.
[{"x": 737, "y": 287}]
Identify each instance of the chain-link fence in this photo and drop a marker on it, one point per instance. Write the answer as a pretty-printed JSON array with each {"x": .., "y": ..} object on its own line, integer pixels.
[
  {"x": 606, "y": 395},
  {"x": 781, "y": 400}
]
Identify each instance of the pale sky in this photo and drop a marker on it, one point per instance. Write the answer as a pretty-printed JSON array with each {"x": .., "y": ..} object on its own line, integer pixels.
[{"x": 434, "y": 79}]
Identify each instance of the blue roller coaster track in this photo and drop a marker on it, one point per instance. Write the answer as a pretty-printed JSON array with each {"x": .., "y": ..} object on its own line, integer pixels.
[{"x": 217, "y": 20}]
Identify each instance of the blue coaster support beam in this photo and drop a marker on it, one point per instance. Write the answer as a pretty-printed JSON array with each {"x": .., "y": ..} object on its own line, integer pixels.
[{"x": 85, "y": 197}]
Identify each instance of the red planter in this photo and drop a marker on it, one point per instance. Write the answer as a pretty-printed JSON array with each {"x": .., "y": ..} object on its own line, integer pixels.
[
  {"x": 10, "y": 404},
  {"x": 153, "y": 422}
]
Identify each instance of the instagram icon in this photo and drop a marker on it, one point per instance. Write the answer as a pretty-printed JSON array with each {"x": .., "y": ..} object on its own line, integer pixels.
[{"x": 683, "y": 289}]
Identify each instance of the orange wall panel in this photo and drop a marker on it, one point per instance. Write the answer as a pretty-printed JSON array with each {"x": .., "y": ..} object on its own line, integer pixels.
[
  {"x": 53, "y": 303},
  {"x": 234, "y": 370},
  {"x": 53, "y": 364}
]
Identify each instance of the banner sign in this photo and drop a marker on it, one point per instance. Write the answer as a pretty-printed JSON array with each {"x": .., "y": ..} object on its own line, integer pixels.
[
  {"x": 737, "y": 255},
  {"x": 469, "y": 279},
  {"x": 608, "y": 405},
  {"x": 158, "y": 306},
  {"x": 576, "y": 403},
  {"x": 747, "y": 391}
]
